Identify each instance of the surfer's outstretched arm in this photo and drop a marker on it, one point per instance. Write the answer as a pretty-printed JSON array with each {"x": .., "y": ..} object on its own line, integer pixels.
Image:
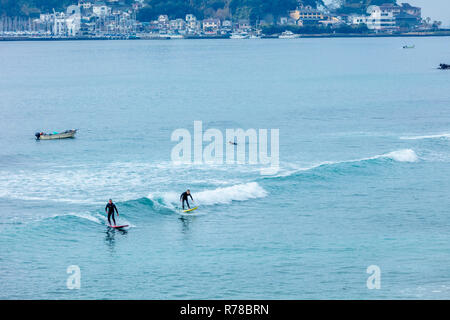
[
  {"x": 115, "y": 208},
  {"x": 190, "y": 195}
]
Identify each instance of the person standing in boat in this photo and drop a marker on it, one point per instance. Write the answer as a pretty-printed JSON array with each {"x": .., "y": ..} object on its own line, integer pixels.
[{"x": 110, "y": 208}]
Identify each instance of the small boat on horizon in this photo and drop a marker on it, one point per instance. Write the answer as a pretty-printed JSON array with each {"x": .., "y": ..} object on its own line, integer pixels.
[
  {"x": 175, "y": 36},
  {"x": 55, "y": 135}
]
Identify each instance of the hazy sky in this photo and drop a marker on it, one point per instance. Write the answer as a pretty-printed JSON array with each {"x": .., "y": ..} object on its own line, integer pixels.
[{"x": 435, "y": 9}]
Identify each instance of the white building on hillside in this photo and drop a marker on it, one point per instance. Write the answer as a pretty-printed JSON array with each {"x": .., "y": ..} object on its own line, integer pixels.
[
  {"x": 59, "y": 24},
  {"x": 178, "y": 25},
  {"x": 100, "y": 9},
  {"x": 193, "y": 26},
  {"x": 73, "y": 20},
  {"x": 211, "y": 26},
  {"x": 379, "y": 19},
  {"x": 85, "y": 4}
]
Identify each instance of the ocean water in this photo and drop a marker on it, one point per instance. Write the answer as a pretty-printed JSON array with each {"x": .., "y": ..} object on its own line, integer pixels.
[{"x": 363, "y": 180}]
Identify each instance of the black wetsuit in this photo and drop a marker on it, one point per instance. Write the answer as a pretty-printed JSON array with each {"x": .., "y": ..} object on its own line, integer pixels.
[
  {"x": 110, "y": 207},
  {"x": 184, "y": 197}
]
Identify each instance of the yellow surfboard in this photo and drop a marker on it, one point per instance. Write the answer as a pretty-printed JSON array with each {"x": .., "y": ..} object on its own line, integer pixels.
[{"x": 189, "y": 210}]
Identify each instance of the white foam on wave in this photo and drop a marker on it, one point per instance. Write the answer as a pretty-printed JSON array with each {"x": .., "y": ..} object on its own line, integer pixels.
[
  {"x": 433, "y": 136},
  {"x": 93, "y": 184},
  {"x": 240, "y": 192},
  {"x": 404, "y": 155},
  {"x": 225, "y": 195},
  {"x": 427, "y": 291},
  {"x": 164, "y": 199}
]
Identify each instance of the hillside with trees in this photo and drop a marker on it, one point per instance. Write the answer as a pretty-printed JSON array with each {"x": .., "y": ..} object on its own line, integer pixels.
[
  {"x": 31, "y": 7},
  {"x": 237, "y": 9},
  {"x": 174, "y": 8},
  {"x": 252, "y": 9}
]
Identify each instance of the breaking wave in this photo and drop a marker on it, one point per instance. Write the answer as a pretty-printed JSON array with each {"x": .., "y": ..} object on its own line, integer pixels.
[
  {"x": 225, "y": 195},
  {"x": 433, "y": 136},
  {"x": 404, "y": 155}
]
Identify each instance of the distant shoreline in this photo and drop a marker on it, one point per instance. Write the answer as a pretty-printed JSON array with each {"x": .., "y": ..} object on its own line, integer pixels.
[{"x": 322, "y": 35}]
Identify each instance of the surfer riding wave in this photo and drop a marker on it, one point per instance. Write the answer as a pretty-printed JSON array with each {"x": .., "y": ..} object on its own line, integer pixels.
[
  {"x": 184, "y": 198},
  {"x": 110, "y": 208}
]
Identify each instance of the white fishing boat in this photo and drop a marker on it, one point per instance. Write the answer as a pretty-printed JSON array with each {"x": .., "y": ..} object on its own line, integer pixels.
[
  {"x": 242, "y": 35},
  {"x": 55, "y": 135},
  {"x": 175, "y": 36},
  {"x": 288, "y": 35}
]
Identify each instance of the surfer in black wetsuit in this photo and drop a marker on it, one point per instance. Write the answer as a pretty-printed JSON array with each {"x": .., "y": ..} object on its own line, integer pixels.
[
  {"x": 184, "y": 197},
  {"x": 110, "y": 207}
]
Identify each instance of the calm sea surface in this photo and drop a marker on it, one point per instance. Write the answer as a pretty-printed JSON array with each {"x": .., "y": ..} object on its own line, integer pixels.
[{"x": 364, "y": 177}]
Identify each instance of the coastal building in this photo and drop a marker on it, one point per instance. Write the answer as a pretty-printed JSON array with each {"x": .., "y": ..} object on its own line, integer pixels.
[
  {"x": 331, "y": 21},
  {"x": 211, "y": 26},
  {"x": 84, "y": 4},
  {"x": 73, "y": 10},
  {"x": 44, "y": 24},
  {"x": 407, "y": 21},
  {"x": 85, "y": 8},
  {"x": 244, "y": 25},
  {"x": 46, "y": 17},
  {"x": 117, "y": 18},
  {"x": 307, "y": 15},
  {"x": 193, "y": 26},
  {"x": 73, "y": 24},
  {"x": 414, "y": 11},
  {"x": 163, "y": 22},
  {"x": 73, "y": 20},
  {"x": 190, "y": 17},
  {"x": 178, "y": 25},
  {"x": 100, "y": 9},
  {"x": 390, "y": 8},
  {"x": 227, "y": 26},
  {"x": 380, "y": 18},
  {"x": 59, "y": 24},
  {"x": 389, "y": 17},
  {"x": 404, "y": 8},
  {"x": 409, "y": 17}
]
